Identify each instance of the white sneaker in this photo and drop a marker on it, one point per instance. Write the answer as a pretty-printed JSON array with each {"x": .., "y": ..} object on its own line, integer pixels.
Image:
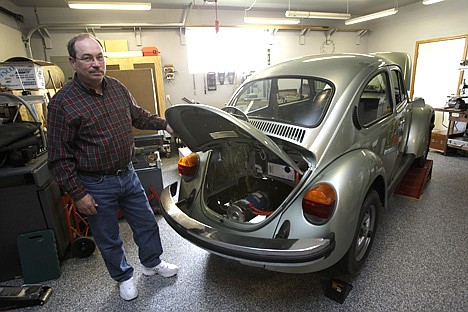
[
  {"x": 128, "y": 290},
  {"x": 164, "y": 269}
]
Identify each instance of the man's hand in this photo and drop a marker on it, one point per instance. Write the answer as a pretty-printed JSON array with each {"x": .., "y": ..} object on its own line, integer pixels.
[{"x": 86, "y": 205}]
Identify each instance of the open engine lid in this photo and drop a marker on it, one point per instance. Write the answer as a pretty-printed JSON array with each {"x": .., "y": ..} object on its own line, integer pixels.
[{"x": 201, "y": 127}]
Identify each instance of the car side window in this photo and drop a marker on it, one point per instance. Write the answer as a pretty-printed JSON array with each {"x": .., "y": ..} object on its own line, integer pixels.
[
  {"x": 375, "y": 101},
  {"x": 398, "y": 86}
]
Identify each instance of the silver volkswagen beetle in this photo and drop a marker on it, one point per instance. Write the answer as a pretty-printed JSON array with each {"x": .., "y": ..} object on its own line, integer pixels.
[{"x": 293, "y": 173}]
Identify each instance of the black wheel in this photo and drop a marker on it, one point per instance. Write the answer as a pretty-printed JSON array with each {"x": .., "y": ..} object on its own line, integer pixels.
[
  {"x": 364, "y": 234},
  {"x": 83, "y": 247}
]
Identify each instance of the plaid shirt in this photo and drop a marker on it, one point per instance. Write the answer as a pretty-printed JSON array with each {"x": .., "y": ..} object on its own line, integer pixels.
[{"x": 92, "y": 132}]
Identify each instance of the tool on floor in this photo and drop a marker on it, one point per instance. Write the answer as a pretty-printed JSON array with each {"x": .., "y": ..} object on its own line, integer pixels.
[
  {"x": 15, "y": 297},
  {"x": 337, "y": 290}
]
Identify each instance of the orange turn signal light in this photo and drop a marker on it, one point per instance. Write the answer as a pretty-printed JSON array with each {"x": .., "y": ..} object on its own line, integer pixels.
[
  {"x": 188, "y": 165},
  {"x": 318, "y": 203}
]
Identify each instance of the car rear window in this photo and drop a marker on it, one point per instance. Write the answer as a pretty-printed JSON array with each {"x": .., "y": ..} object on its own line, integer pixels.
[{"x": 297, "y": 100}]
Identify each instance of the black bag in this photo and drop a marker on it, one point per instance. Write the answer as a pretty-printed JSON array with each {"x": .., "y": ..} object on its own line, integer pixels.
[{"x": 19, "y": 142}]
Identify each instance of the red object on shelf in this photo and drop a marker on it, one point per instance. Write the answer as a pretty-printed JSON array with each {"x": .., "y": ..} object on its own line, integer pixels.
[{"x": 150, "y": 51}]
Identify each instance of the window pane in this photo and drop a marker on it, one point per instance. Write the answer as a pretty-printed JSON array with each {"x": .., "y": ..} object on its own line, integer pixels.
[
  {"x": 399, "y": 90},
  {"x": 229, "y": 50},
  {"x": 301, "y": 101},
  {"x": 375, "y": 101}
]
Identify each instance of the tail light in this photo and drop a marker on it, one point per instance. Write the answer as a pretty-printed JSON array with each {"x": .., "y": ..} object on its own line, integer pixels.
[
  {"x": 188, "y": 165},
  {"x": 318, "y": 203}
]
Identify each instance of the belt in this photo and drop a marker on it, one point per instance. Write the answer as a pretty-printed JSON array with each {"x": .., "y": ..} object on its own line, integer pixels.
[{"x": 117, "y": 172}]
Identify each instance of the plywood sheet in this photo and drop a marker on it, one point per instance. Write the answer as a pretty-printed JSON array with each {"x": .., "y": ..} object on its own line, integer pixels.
[
  {"x": 116, "y": 45},
  {"x": 141, "y": 85}
]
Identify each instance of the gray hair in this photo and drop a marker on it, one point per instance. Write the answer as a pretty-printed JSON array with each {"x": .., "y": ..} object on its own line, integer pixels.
[{"x": 79, "y": 37}]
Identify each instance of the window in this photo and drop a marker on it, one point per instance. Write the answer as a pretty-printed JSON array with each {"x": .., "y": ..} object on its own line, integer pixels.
[
  {"x": 229, "y": 50},
  {"x": 375, "y": 102},
  {"x": 297, "y": 100},
  {"x": 398, "y": 88}
]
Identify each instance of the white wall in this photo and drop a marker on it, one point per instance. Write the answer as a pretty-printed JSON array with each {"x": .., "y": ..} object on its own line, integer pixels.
[
  {"x": 419, "y": 22},
  {"x": 10, "y": 33},
  {"x": 395, "y": 33},
  {"x": 285, "y": 44}
]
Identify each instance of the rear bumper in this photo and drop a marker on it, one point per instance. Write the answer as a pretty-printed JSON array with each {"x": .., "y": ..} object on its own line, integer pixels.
[{"x": 260, "y": 251}]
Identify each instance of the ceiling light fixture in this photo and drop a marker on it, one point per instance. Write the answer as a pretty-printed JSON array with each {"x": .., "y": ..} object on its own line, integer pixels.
[
  {"x": 372, "y": 16},
  {"x": 322, "y": 15},
  {"x": 427, "y": 2},
  {"x": 270, "y": 21},
  {"x": 100, "y": 5}
]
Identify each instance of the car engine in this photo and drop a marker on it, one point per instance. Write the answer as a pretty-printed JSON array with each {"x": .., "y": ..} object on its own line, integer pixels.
[{"x": 245, "y": 182}]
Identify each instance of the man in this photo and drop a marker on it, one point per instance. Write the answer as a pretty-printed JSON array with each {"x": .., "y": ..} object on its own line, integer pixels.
[{"x": 90, "y": 148}]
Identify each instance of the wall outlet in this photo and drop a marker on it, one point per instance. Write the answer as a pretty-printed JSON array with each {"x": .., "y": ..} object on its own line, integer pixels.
[{"x": 168, "y": 97}]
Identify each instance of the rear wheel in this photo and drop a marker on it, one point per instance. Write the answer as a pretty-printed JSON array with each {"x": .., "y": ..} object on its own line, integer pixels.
[{"x": 363, "y": 235}]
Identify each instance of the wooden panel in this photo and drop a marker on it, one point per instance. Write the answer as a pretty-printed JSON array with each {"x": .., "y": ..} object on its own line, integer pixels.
[
  {"x": 113, "y": 67},
  {"x": 153, "y": 62},
  {"x": 141, "y": 85},
  {"x": 116, "y": 45}
]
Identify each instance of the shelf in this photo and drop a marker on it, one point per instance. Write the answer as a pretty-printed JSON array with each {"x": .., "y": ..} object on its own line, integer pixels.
[{"x": 447, "y": 140}]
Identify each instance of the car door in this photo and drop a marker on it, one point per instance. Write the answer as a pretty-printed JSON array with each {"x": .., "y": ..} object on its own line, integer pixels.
[
  {"x": 403, "y": 110},
  {"x": 376, "y": 115}
]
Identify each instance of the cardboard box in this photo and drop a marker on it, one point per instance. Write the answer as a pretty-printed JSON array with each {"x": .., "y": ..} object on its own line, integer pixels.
[{"x": 22, "y": 76}]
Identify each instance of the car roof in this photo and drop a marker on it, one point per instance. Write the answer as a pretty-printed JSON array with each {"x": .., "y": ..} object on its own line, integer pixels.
[{"x": 338, "y": 68}]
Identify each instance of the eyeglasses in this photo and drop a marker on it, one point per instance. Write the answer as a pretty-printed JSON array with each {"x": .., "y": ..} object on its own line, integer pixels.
[{"x": 88, "y": 59}]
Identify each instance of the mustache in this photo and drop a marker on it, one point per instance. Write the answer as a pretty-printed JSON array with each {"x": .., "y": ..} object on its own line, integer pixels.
[{"x": 96, "y": 71}]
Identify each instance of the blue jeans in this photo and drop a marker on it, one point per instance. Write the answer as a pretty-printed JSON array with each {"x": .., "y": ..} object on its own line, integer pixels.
[{"x": 125, "y": 192}]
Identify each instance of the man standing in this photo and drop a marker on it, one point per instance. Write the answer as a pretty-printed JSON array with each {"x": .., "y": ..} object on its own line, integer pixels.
[{"x": 90, "y": 148}]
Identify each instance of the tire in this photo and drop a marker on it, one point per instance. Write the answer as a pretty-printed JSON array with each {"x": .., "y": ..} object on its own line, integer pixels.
[
  {"x": 83, "y": 247},
  {"x": 364, "y": 234}
]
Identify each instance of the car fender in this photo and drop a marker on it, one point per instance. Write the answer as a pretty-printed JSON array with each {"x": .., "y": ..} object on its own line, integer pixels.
[
  {"x": 352, "y": 175},
  {"x": 422, "y": 122}
]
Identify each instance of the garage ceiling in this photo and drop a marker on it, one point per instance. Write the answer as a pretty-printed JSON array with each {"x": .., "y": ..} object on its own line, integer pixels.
[{"x": 354, "y": 7}]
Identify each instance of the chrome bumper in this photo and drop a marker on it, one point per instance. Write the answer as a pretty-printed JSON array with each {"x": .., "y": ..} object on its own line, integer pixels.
[{"x": 262, "y": 251}]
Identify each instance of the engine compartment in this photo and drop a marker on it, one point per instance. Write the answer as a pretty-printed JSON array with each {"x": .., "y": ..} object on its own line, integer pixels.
[{"x": 246, "y": 183}]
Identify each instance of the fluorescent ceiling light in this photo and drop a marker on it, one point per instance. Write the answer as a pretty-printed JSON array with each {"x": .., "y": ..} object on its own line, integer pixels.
[
  {"x": 323, "y": 15},
  {"x": 99, "y": 5},
  {"x": 371, "y": 16},
  {"x": 270, "y": 21},
  {"x": 427, "y": 2}
]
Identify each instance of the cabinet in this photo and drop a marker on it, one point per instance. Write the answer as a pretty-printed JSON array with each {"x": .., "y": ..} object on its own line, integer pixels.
[
  {"x": 30, "y": 202},
  {"x": 142, "y": 62},
  {"x": 452, "y": 138}
]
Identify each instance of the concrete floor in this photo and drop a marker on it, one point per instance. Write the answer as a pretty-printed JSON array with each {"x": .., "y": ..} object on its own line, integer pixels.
[{"x": 418, "y": 262}]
